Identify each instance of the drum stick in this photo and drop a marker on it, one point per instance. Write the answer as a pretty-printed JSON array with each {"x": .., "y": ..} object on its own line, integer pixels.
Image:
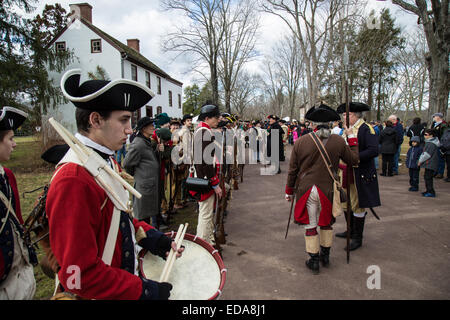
[
  {"x": 166, "y": 265},
  {"x": 174, "y": 257}
]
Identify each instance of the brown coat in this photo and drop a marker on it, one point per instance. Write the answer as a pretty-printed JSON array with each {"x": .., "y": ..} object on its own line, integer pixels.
[{"x": 307, "y": 168}]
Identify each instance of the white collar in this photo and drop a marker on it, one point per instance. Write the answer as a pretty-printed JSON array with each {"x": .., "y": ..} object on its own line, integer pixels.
[{"x": 88, "y": 142}]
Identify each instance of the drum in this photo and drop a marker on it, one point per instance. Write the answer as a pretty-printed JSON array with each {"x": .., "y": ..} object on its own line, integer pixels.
[{"x": 199, "y": 274}]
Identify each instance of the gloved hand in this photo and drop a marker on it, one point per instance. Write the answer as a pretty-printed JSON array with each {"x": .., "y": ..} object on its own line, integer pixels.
[{"x": 152, "y": 290}]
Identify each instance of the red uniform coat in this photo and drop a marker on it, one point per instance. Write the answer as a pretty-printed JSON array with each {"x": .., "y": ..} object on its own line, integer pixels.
[{"x": 80, "y": 213}]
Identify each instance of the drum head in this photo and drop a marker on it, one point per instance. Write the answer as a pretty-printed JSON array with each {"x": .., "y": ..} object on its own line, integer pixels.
[{"x": 197, "y": 275}]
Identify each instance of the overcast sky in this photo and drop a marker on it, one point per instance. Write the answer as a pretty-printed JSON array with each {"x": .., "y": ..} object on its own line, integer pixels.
[{"x": 144, "y": 19}]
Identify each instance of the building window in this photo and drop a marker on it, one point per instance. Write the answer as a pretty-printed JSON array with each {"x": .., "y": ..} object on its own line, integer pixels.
[
  {"x": 60, "y": 46},
  {"x": 96, "y": 46},
  {"x": 149, "y": 111},
  {"x": 158, "y": 110},
  {"x": 159, "y": 84},
  {"x": 170, "y": 99},
  {"x": 147, "y": 79},
  {"x": 134, "y": 73},
  {"x": 179, "y": 101}
]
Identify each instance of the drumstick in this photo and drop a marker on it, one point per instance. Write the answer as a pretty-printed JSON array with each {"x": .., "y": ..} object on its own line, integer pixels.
[
  {"x": 166, "y": 265},
  {"x": 173, "y": 258}
]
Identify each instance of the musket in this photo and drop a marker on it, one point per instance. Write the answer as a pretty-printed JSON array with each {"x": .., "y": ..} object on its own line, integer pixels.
[
  {"x": 349, "y": 168},
  {"x": 219, "y": 227}
]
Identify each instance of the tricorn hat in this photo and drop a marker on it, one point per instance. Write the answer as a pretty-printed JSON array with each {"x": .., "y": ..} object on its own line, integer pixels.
[
  {"x": 103, "y": 95},
  {"x": 273, "y": 117},
  {"x": 187, "y": 116},
  {"x": 11, "y": 118},
  {"x": 54, "y": 154},
  {"x": 143, "y": 122},
  {"x": 353, "y": 107},
  {"x": 162, "y": 119},
  {"x": 322, "y": 113},
  {"x": 209, "y": 111}
]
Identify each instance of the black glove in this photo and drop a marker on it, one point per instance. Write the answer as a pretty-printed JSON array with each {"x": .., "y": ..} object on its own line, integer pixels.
[
  {"x": 156, "y": 242},
  {"x": 163, "y": 245},
  {"x": 152, "y": 290},
  {"x": 164, "y": 290}
]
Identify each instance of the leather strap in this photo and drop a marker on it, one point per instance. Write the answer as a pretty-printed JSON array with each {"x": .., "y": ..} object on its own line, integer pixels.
[{"x": 323, "y": 153}]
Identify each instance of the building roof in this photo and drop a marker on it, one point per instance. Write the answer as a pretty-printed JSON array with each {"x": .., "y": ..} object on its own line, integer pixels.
[{"x": 127, "y": 52}]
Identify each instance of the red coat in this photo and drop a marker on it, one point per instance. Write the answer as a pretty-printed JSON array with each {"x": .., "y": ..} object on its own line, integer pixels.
[{"x": 80, "y": 213}]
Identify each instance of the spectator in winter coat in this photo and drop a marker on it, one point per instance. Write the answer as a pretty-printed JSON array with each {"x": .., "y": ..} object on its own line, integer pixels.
[
  {"x": 412, "y": 158},
  {"x": 429, "y": 160},
  {"x": 388, "y": 141},
  {"x": 399, "y": 129},
  {"x": 440, "y": 126},
  {"x": 416, "y": 130},
  {"x": 445, "y": 148}
]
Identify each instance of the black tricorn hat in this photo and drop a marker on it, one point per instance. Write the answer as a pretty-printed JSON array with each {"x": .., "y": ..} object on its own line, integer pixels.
[
  {"x": 56, "y": 153},
  {"x": 102, "y": 95},
  {"x": 209, "y": 111},
  {"x": 273, "y": 117},
  {"x": 11, "y": 118},
  {"x": 353, "y": 107},
  {"x": 322, "y": 113},
  {"x": 143, "y": 122},
  {"x": 187, "y": 116}
]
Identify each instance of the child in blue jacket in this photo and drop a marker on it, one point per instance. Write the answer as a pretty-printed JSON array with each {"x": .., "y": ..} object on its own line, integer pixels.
[{"x": 412, "y": 158}]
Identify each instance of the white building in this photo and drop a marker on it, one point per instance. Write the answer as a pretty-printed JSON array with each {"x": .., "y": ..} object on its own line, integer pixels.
[{"x": 94, "y": 48}]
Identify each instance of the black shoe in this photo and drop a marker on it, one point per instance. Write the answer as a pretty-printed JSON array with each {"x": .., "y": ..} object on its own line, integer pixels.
[
  {"x": 344, "y": 234},
  {"x": 383, "y": 174},
  {"x": 447, "y": 180},
  {"x": 324, "y": 256},
  {"x": 313, "y": 263}
]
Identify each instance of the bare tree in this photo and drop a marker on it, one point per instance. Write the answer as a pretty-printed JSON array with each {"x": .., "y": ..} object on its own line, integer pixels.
[
  {"x": 288, "y": 59},
  {"x": 245, "y": 93},
  {"x": 436, "y": 25},
  {"x": 240, "y": 24},
  {"x": 314, "y": 23},
  {"x": 202, "y": 38}
]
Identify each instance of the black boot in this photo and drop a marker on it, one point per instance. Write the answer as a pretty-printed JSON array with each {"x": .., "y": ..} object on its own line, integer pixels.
[
  {"x": 325, "y": 256},
  {"x": 344, "y": 234},
  {"x": 313, "y": 263},
  {"x": 357, "y": 236}
]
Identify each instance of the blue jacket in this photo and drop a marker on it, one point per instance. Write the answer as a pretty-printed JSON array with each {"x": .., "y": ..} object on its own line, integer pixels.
[
  {"x": 412, "y": 157},
  {"x": 399, "y": 128}
]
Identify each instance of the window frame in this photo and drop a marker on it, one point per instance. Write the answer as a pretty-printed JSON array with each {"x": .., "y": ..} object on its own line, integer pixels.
[
  {"x": 58, "y": 43},
  {"x": 92, "y": 45},
  {"x": 134, "y": 67}
]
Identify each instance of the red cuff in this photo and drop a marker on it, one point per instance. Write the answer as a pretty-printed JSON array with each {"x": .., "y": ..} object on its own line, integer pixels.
[
  {"x": 214, "y": 181},
  {"x": 289, "y": 190},
  {"x": 352, "y": 142}
]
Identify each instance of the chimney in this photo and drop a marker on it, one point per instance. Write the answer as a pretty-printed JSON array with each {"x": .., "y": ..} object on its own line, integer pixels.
[
  {"x": 133, "y": 43},
  {"x": 82, "y": 10}
]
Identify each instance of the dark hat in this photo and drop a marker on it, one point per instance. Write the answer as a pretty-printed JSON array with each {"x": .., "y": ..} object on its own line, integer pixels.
[
  {"x": 175, "y": 121},
  {"x": 187, "y": 116},
  {"x": 209, "y": 111},
  {"x": 54, "y": 154},
  {"x": 353, "y": 107},
  {"x": 273, "y": 117},
  {"x": 11, "y": 118},
  {"x": 164, "y": 134},
  {"x": 102, "y": 95},
  {"x": 162, "y": 119},
  {"x": 143, "y": 122},
  {"x": 415, "y": 138},
  {"x": 322, "y": 113}
]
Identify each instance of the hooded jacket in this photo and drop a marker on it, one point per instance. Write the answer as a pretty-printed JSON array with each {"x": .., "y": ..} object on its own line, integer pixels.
[
  {"x": 389, "y": 141},
  {"x": 429, "y": 159}
]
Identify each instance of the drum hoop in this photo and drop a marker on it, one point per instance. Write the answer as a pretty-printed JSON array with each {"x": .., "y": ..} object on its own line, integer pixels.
[{"x": 209, "y": 248}]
